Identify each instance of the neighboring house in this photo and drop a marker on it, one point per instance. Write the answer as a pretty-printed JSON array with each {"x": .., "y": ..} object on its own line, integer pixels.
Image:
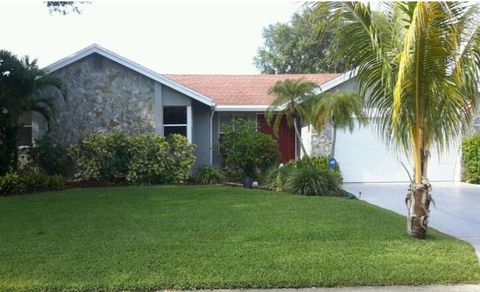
[{"x": 107, "y": 92}]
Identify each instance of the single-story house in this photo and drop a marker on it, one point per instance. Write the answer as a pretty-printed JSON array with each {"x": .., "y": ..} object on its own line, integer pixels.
[{"x": 107, "y": 92}]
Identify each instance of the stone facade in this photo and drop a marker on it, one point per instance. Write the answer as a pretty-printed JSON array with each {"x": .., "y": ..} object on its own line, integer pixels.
[
  {"x": 103, "y": 96},
  {"x": 322, "y": 142}
]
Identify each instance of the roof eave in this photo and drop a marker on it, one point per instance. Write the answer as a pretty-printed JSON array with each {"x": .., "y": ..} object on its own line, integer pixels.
[{"x": 95, "y": 48}]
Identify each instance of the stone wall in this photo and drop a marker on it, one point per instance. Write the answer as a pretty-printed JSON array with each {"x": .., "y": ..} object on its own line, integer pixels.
[
  {"x": 321, "y": 143},
  {"x": 103, "y": 96}
]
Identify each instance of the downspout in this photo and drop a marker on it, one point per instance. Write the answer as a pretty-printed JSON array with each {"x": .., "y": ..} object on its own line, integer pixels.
[{"x": 211, "y": 134}]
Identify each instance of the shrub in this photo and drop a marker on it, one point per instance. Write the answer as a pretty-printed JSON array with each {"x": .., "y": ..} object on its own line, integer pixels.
[
  {"x": 277, "y": 176},
  {"x": 246, "y": 149},
  {"x": 50, "y": 157},
  {"x": 310, "y": 180},
  {"x": 133, "y": 159},
  {"x": 320, "y": 162},
  {"x": 471, "y": 159},
  {"x": 13, "y": 183},
  {"x": 100, "y": 157},
  {"x": 209, "y": 174}
]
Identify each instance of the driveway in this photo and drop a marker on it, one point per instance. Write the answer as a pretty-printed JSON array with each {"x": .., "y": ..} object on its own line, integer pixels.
[{"x": 457, "y": 210}]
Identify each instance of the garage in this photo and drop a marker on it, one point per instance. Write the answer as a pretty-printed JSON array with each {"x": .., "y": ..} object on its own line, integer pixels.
[{"x": 364, "y": 157}]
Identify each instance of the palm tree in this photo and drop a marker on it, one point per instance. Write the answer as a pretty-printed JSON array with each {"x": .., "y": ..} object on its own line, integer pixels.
[
  {"x": 290, "y": 93},
  {"x": 340, "y": 109},
  {"x": 23, "y": 87},
  {"x": 417, "y": 65}
]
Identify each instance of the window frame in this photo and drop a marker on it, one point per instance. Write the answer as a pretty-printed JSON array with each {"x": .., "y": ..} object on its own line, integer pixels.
[{"x": 188, "y": 125}]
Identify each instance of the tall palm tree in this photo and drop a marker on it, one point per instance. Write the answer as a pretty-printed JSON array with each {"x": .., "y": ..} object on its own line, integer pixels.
[
  {"x": 417, "y": 64},
  {"x": 23, "y": 87},
  {"x": 289, "y": 95},
  {"x": 342, "y": 110}
]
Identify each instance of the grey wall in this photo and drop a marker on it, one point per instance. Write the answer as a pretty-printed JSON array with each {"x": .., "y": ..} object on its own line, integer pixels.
[
  {"x": 201, "y": 132},
  {"x": 114, "y": 98}
]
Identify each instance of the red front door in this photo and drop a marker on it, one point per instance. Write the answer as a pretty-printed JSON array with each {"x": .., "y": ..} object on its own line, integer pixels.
[{"x": 286, "y": 137}]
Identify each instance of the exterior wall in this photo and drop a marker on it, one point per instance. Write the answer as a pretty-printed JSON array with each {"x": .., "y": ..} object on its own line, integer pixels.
[
  {"x": 201, "y": 132},
  {"x": 113, "y": 98}
]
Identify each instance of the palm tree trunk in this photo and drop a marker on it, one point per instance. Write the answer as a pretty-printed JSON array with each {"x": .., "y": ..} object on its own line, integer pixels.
[
  {"x": 299, "y": 138},
  {"x": 419, "y": 197},
  {"x": 334, "y": 141}
]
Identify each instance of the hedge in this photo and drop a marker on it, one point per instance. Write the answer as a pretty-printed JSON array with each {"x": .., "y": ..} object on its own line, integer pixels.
[
  {"x": 471, "y": 159},
  {"x": 13, "y": 183},
  {"x": 138, "y": 159}
]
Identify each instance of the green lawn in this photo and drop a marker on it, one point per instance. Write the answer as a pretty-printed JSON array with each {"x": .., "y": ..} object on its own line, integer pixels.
[{"x": 214, "y": 237}]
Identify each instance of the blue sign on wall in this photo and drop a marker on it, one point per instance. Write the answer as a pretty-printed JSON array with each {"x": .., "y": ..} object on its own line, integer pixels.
[{"x": 332, "y": 163}]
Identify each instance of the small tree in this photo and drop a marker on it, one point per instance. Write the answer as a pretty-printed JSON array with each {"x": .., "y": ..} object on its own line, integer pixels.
[
  {"x": 340, "y": 109},
  {"x": 290, "y": 93},
  {"x": 23, "y": 87},
  {"x": 246, "y": 149}
]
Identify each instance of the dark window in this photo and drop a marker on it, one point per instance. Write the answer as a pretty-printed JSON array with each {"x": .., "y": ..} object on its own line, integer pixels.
[
  {"x": 175, "y": 115},
  {"x": 182, "y": 130},
  {"x": 174, "y": 120},
  {"x": 24, "y": 136},
  {"x": 97, "y": 62}
]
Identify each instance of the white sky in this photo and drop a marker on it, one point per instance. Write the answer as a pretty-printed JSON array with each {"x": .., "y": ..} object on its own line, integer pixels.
[{"x": 165, "y": 36}]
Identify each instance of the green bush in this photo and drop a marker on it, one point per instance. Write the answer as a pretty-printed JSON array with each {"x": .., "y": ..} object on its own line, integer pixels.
[
  {"x": 136, "y": 159},
  {"x": 310, "y": 180},
  {"x": 277, "y": 176},
  {"x": 50, "y": 157},
  {"x": 209, "y": 174},
  {"x": 246, "y": 149},
  {"x": 471, "y": 159},
  {"x": 13, "y": 183}
]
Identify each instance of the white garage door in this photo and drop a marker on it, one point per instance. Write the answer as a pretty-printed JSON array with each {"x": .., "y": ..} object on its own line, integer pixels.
[{"x": 364, "y": 157}]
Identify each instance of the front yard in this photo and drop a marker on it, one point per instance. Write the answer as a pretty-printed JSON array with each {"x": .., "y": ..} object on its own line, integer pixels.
[{"x": 214, "y": 237}]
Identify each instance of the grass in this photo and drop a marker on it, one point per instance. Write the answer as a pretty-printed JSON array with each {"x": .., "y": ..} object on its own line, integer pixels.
[{"x": 214, "y": 237}]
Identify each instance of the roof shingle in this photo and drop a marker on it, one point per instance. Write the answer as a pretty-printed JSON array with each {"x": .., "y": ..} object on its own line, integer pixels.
[{"x": 241, "y": 89}]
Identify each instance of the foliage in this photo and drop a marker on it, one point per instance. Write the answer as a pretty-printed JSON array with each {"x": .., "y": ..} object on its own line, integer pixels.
[
  {"x": 14, "y": 184},
  {"x": 310, "y": 180},
  {"x": 120, "y": 158},
  {"x": 209, "y": 174},
  {"x": 340, "y": 109},
  {"x": 418, "y": 63},
  {"x": 471, "y": 159},
  {"x": 23, "y": 87},
  {"x": 65, "y": 7},
  {"x": 287, "y": 104},
  {"x": 50, "y": 157},
  {"x": 303, "y": 45},
  {"x": 221, "y": 237},
  {"x": 280, "y": 178},
  {"x": 246, "y": 149}
]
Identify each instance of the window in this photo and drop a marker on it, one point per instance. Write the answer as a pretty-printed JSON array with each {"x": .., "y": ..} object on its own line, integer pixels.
[
  {"x": 24, "y": 135},
  {"x": 175, "y": 120}
]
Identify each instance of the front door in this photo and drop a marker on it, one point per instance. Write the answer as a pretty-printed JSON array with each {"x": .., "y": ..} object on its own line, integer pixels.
[{"x": 286, "y": 137}]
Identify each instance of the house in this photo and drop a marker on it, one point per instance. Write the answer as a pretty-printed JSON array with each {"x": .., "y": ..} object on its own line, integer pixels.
[{"x": 107, "y": 92}]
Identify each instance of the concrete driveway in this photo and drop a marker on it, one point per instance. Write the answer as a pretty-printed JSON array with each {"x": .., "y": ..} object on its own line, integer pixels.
[{"x": 457, "y": 210}]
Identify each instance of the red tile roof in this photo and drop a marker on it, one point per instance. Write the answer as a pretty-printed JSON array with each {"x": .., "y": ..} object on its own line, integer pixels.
[{"x": 241, "y": 89}]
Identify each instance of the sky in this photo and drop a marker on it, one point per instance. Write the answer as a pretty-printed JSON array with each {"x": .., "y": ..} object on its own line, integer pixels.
[{"x": 182, "y": 37}]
